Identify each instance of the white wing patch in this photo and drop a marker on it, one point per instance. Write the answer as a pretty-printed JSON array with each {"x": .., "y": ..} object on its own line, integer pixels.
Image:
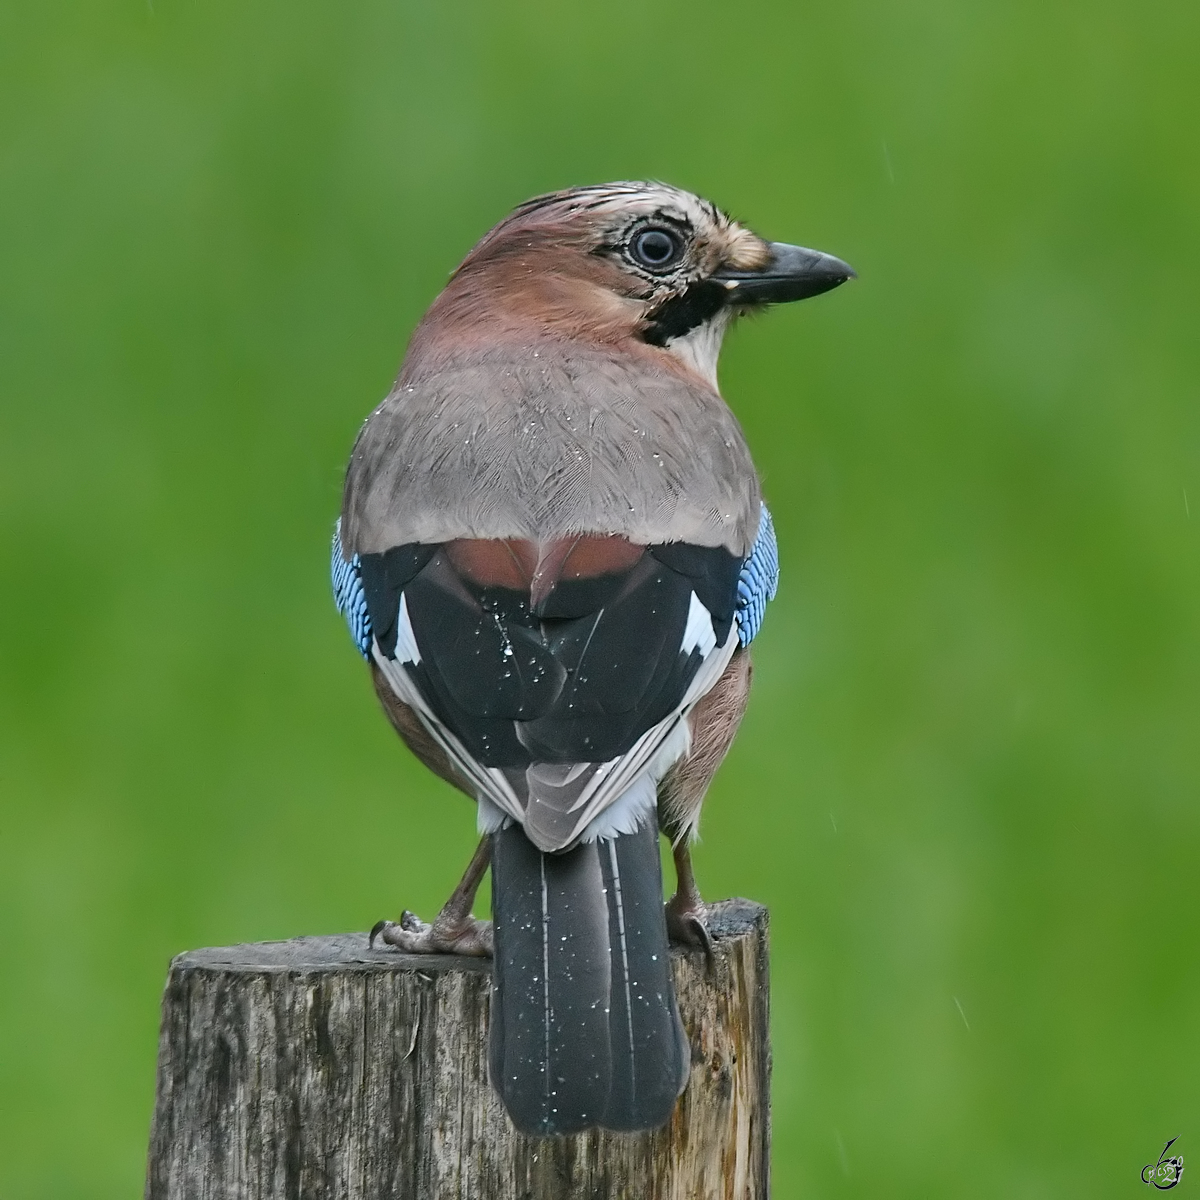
[
  {"x": 698, "y": 633},
  {"x": 406, "y": 641}
]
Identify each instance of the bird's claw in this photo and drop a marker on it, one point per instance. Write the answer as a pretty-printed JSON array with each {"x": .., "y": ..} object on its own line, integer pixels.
[
  {"x": 447, "y": 935},
  {"x": 687, "y": 925}
]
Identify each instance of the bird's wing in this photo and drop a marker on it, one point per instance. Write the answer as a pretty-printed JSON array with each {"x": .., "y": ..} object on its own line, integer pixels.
[
  {"x": 563, "y": 713},
  {"x": 758, "y": 580}
]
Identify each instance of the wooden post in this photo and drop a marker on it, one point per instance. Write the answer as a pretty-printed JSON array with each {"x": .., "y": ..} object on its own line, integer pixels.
[{"x": 318, "y": 1069}]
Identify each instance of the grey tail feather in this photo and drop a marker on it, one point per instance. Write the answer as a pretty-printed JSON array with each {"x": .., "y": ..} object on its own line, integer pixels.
[{"x": 585, "y": 1030}]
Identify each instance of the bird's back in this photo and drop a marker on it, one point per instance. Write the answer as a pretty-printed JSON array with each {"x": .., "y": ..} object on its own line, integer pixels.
[{"x": 547, "y": 441}]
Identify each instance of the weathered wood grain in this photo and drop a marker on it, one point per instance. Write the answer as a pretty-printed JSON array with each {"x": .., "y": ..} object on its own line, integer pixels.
[{"x": 318, "y": 1069}]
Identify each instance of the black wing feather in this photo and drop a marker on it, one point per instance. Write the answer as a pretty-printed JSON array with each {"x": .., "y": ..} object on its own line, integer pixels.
[{"x": 581, "y": 679}]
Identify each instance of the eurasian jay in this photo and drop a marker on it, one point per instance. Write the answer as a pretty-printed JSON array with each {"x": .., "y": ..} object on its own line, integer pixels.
[{"x": 553, "y": 553}]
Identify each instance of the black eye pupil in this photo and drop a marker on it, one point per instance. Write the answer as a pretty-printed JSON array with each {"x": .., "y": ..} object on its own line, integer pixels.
[{"x": 654, "y": 247}]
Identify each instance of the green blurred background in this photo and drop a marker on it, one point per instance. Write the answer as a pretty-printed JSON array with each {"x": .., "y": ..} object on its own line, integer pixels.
[{"x": 967, "y": 782}]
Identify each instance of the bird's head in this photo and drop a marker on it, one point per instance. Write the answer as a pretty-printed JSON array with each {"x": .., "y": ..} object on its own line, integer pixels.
[{"x": 634, "y": 263}]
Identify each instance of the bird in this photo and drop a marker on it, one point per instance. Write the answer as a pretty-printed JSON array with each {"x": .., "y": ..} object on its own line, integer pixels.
[{"x": 553, "y": 553}]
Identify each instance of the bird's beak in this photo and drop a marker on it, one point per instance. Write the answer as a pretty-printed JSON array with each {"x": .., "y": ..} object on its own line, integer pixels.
[{"x": 791, "y": 273}]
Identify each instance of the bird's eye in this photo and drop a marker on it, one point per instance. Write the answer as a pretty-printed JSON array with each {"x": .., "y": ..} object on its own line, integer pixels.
[{"x": 656, "y": 248}]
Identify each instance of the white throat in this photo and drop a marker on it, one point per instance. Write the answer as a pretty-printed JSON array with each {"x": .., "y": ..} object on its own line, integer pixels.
[{"x": 700, "y": 347}]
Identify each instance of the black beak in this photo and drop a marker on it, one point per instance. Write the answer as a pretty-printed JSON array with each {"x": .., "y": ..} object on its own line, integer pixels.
[{"x": 792, "y": 273}]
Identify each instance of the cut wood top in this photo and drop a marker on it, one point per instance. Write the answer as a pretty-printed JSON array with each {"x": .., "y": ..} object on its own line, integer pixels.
[{"x": 349, "y": 952}]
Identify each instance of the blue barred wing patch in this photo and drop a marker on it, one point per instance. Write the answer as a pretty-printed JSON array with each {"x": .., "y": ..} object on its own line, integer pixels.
[
  {"x": 348, "y": 594},
  {"x": 758, "y": 580}
]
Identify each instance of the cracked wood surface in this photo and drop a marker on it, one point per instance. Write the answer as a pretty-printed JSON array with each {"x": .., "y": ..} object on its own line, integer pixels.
[{"x": 318, "y": 1069}]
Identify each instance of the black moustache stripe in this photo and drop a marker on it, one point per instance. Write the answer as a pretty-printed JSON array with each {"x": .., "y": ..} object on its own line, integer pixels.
[{"x": 680, "y": 314}]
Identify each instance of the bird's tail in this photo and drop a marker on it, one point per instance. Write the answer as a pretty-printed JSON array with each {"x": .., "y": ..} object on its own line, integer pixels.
[{"x": 585, "y": 1030}]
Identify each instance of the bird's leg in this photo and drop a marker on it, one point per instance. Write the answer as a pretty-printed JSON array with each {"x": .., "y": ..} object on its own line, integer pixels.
[
  {"x": 454, "y": 929},
  {"x": 687, "y": 918}
]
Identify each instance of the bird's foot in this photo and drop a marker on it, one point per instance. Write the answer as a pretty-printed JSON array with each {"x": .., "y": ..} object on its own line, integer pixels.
[
  {"x": 450, "y": 933},
  {"x": 687, "y": 923}
]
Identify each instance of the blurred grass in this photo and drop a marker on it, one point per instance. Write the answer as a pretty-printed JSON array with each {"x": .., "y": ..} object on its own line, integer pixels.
[{"x": 967, "y": 784}]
